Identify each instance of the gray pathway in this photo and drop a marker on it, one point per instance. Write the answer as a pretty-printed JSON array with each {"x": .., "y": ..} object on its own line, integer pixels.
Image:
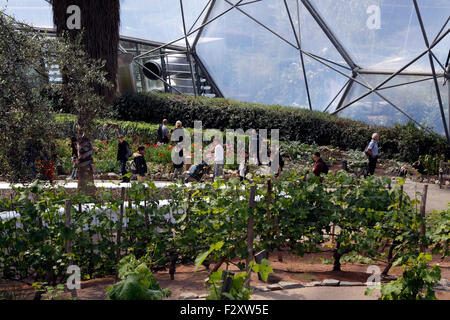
[
  {"x": 437, "y": 199},
  {"x": 318, "y": 293}
]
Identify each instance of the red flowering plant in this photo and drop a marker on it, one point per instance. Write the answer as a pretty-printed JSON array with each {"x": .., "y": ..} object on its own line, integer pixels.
[{"x": 47, "y": 169}]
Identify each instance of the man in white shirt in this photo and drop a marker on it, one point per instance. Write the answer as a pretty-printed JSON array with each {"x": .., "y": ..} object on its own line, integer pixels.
[{"x": 218, "y": 158}]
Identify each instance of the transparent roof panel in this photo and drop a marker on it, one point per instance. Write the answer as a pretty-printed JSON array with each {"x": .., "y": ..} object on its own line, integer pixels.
[
  {"x": 323, "y": 83},
  {"x": 161, "y": 20},
  {"x": 372, "y": 109},
  {"x": 37, "y": 13},
  {"x": 158, "y": 20},
  {"x": 381, "y": 34},
  {"x": 313, "y": 39},
  {"x": 263, "y": 11},
  {"x": 418, "y": 99},
  {"x": 249, "y": 63}
]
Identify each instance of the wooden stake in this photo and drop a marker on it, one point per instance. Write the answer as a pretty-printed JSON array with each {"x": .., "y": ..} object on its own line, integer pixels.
[
  {"x": 250, "y": 233},
  {"x": 423, "y": 204},
  {"x": 268, "y": 217},
  {"x": 119, "y": 232},
  {"x": 67, "y": 208}
]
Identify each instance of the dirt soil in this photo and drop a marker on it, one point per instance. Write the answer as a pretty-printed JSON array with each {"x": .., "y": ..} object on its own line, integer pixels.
[{"x": 311, "y": 267}]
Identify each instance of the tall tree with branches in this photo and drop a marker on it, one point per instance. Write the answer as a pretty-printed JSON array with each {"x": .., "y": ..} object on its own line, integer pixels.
[
  {"x": 27, "y": 98},
  {"x": 99, "y": 23},
  {"x": 98, "y": 28}
]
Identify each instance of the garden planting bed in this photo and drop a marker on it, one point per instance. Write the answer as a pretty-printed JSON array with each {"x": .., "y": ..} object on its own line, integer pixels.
[
  {"x": 371, "y": 217},
  {"x": 306, "y": 270}
]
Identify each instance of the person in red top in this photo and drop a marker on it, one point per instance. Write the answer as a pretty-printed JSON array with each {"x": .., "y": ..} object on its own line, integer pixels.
[{"x": 320, "y": 166}]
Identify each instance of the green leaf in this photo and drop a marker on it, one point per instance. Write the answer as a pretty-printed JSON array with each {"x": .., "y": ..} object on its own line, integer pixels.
[{"x": 200, "y": 258}]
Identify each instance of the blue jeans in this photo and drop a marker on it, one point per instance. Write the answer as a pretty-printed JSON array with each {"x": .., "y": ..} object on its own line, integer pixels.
[
  {"x": 123, "y": 168},
  {"x": 218, "y": 170}
]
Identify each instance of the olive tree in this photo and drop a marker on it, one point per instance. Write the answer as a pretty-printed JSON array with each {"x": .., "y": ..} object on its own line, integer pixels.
[{"x": 27, "y": 97}]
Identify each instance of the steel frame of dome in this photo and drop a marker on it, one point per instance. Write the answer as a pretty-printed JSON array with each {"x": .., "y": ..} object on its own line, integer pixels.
[{"x": 351, "y": 64}]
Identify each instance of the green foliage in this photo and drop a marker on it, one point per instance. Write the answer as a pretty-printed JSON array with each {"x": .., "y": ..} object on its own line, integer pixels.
[
  {"x": 416, "y": 283},
  {"x": 428, "y": 164},
  {"x": 137, "y": 282},
  {"x": 105, "y": 154},
  {"x": 201, "y": 258},
  {"x": 264, "y": 269},
  {"x": 404, "y": 143},
  {"x": 28, "y": 95},
  {"x": 438, "y": 226},
  {"x": 49, "y": 292},
  {"x": 212, "y": 225},
  {"x": 238, "y": 291}
]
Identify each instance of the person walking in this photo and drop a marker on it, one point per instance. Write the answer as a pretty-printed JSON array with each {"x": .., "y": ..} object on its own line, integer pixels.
[
  {"x": 218, "y": 158},
  {"x": 372, "y": 153},
  {"x": 123, "y": 153},
  {"x": 163, "y": 132},
  {"x": 254, "y": 148},
  {"x": 178, "y": 137},
  {"x": 275, "y": 157},
  {"x": 243, "y": 169},
  {"x": 140, "y": 163}
]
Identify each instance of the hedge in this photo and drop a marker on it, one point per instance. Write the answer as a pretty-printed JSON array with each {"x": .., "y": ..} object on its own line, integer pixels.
[
  {"x": 66, "y": 123},
  {"x": 402, "y": 142}
]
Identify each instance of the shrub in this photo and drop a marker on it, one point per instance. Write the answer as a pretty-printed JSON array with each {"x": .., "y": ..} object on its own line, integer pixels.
[{"x": 402, "y": 142}]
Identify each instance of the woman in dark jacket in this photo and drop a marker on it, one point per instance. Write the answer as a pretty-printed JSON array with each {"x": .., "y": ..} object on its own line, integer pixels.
[
  {"x": 123, "y": 153},
  {"x": 141, "y": 165}
]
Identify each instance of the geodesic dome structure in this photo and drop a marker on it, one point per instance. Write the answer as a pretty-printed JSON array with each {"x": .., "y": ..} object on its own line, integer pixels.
[{"x": 379, "y": 61}]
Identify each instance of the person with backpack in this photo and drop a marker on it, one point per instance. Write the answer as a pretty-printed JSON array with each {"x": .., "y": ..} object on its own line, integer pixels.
[
  {"x": 320, "y": 166},
  {"x": 163, "y": 132},
  {"x": 139, "y": 165},
  {"x": 123, "y": 153}
]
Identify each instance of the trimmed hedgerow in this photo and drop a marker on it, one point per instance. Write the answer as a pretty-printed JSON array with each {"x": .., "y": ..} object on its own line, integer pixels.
[{"x": 402, "y": 142}]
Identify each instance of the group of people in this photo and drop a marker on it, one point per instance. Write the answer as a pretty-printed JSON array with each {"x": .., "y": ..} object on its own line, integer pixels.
[
  {"x": 371, "y": 152},
  {"x": 139, "y": 165}
]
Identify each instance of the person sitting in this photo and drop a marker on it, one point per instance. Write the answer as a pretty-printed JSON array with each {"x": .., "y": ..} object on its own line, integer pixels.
[
  {"x": 320, "y": 166},
  {"x": 140, "y": 164}
]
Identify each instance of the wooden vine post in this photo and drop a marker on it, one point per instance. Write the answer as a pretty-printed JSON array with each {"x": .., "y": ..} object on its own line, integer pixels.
[
  {"x": 67, "y": 207},
  {"x": 268, "y": 216},
  {"x": 147, "y": 220},
  {"x": 119, "y": 231},
  {"x": 250, "y": 233},
  {"x": 423, "y": 204}
]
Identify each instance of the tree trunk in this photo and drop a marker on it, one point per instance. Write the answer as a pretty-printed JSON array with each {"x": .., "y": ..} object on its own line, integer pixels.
[
  {"x": 85, "y": 165},
  {"x": 100, "y": 21},
  {"x": 337, "y": 257}
]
